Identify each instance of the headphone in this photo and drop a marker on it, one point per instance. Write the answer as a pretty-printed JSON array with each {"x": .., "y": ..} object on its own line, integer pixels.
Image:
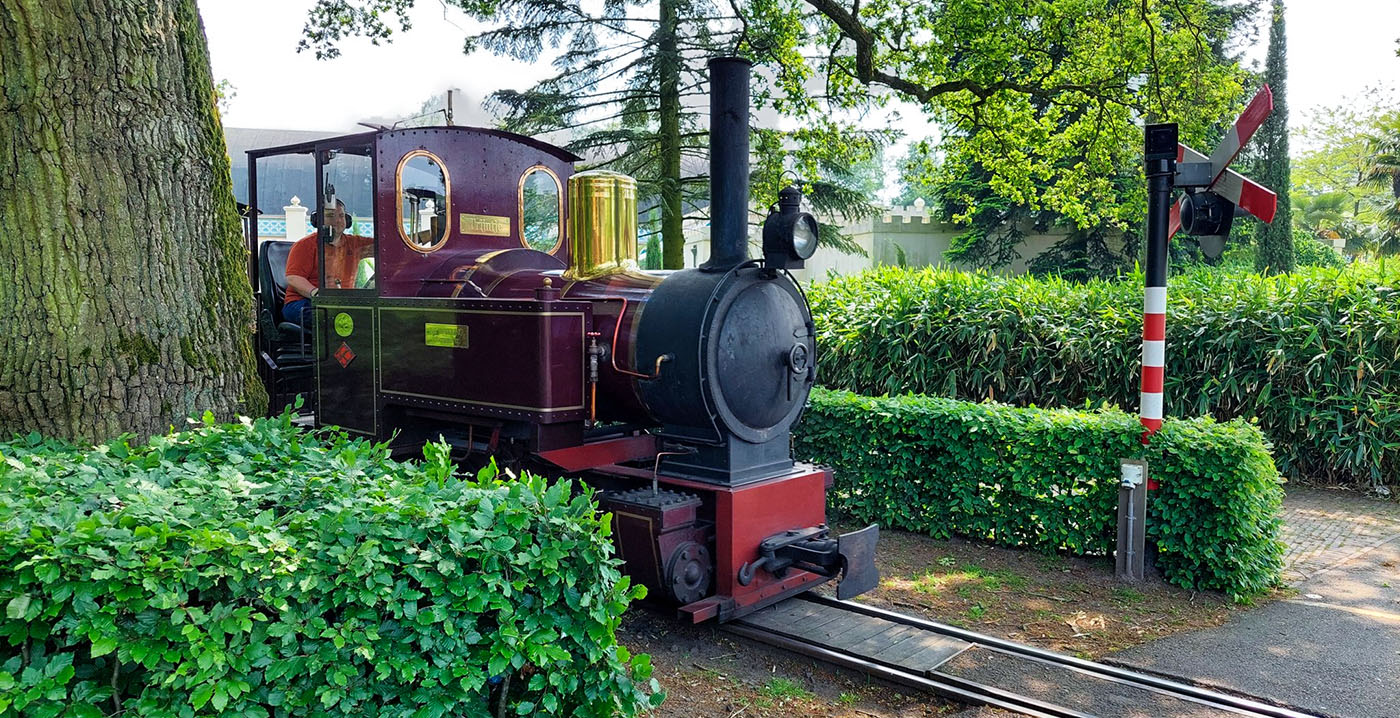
[{"x": 320, "y": 215}]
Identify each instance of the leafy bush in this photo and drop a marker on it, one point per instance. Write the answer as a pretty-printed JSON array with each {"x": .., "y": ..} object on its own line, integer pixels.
[
  {"x": 1048, "y": 479},
  {"x": 1311, "y": 354},
  {"x": 1308, "y": 251},
  {"x": 253, "y": 570}
]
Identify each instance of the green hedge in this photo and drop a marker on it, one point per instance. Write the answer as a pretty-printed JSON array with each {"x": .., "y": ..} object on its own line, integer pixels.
[
  {"x": 1047, "y": 479},
  {"x": 253, "y": 570},
  {"x": 1309, "y": 251},
  {"x": 1311, "y": 354}
]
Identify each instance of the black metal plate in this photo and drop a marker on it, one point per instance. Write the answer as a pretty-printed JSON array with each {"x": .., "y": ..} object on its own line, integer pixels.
[{"x": 858, "y": 553}]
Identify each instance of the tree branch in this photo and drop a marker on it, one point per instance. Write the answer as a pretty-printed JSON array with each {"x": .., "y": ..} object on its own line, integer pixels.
[{"x": 867, "y": 73}]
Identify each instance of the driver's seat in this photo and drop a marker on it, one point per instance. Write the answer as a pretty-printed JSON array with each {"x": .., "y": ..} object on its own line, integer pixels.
[{"x": 285, "y": 349}]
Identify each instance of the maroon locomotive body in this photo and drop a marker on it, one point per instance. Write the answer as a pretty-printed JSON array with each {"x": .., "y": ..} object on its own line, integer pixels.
[{"x": 500, "y": 307}]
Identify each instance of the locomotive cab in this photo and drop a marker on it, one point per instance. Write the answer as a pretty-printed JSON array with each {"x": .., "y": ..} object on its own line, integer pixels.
[
  {"x": 471, "y": 286},
  {"x": 423, "y": 208}
]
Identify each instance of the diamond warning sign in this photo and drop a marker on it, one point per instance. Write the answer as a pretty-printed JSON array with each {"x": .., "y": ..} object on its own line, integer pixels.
[{"x": 344, "y": 355}]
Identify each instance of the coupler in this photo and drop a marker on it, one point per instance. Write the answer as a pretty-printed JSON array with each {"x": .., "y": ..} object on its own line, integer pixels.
[{"x": 813, "y": 549}]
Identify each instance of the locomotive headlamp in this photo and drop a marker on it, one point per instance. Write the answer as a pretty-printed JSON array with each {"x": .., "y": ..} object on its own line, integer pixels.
[{"x": 790, "y": 235}]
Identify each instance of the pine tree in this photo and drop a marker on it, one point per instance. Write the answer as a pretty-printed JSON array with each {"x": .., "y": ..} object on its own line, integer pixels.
[
  {"x": 651, "y": 256},
  {"x": 1275, "y": 251}
]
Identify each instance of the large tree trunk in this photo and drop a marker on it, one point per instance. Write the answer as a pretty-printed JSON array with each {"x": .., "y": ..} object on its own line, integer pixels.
[
  {"x": 669, "y": 65},
  {"x": 124, "y": 303}
]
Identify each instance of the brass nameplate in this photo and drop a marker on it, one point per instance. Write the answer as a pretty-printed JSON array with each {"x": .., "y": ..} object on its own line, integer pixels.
[
  {"x": 445, "y": 335},
  {"x": 489, "y": 225}
]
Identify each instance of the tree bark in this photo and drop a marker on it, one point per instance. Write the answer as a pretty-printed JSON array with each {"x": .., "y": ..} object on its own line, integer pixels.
[
  {"x": 124, "y": 300},
  {"x": 669, "y": 68}
]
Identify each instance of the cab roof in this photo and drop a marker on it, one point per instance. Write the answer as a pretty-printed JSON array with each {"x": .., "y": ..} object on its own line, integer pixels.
[{"x": 365, "y": 137}]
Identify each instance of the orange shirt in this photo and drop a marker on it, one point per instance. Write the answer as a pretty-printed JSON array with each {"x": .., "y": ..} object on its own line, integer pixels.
[{"x": 342, "y": 259}]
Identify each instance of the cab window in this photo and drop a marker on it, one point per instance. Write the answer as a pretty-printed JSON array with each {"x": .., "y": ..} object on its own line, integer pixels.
[
  {"x": 423, "y": 205},
  {"x": 345, "y": 218},
  {"x": 541, "y": 209}
]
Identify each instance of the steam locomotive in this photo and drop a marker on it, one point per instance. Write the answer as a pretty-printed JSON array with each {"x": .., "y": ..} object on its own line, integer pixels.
[{"x": 490, "y": 311}]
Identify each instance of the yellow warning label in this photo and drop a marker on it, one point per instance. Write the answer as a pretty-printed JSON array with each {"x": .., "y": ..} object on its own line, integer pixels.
[{"x": 445, "y": 335}]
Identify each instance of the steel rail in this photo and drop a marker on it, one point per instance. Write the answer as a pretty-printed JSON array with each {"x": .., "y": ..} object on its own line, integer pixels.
[
  {"x": 950, "y": 687},
  {"x": 1113, "y": 673}
]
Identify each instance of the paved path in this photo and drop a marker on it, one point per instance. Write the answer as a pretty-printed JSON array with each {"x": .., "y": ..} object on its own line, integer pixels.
[
  {"x": 1325, "y": 528},
  {"x": 1334, "y": 648}
]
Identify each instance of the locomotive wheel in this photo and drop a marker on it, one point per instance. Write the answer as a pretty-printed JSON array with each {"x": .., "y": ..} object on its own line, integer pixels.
[{"x": 688, "y": 573}]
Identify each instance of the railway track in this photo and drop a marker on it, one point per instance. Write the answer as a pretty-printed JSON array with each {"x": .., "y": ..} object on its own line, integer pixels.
[{"x": 976, "y": 669}]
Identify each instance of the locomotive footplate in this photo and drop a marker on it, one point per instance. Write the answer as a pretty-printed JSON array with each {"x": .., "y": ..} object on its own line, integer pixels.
[{"x": 814, "y": 549}]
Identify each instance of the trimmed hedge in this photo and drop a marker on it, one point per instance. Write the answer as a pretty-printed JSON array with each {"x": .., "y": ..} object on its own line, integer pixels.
[
  {"x": 254, "y": 570},
  {"x": 1048, "y": 479},
  {"x": 1312, "y": 355}
]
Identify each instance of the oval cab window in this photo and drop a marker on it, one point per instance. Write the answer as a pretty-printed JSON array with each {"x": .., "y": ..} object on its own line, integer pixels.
[
  {"x": 424, "y": 208},
  {"x": 541, "y": 209}
]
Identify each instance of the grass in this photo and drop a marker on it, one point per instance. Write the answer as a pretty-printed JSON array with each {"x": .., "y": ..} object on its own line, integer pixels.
[
  {"x": 968, "y": 580},
  {"x": 709, "y": 673},
  {"x": 784, "y": 689},
  {"x": 1128, "y": 595}
]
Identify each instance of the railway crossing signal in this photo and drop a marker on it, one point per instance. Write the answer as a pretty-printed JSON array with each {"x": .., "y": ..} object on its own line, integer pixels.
[{"x": 1213, "y": 193}]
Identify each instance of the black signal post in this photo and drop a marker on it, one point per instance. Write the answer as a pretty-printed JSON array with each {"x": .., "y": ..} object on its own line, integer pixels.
[
  {"x": 1160, "y": 158},
  {"x": 1213, "y": 193}
]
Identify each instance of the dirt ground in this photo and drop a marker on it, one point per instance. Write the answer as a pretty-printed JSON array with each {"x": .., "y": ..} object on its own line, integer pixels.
[
  {"x": 1064, "y": 603},
  {"x": 708, "y": 673},
  {"x": 1068, "y": 604}
]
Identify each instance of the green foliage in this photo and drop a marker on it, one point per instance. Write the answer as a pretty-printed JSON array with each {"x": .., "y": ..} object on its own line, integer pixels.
[
  {"x": 1040, "y": 106},
  {"x": 1311, "y": 354},
  {"x": 1320, "y": 213},
  {"x": 1383, "y": 171},
  {"x": 1335, "y": 184},
  {"x": 253, "y": 570},
  {"x": 651, "y": 254},
  {"x": 1048, "y": 479},
  {"x": 1311, "y": 252},
  {"x": 1093, "y": 188},
  {"x": 1239, "y": 256}
]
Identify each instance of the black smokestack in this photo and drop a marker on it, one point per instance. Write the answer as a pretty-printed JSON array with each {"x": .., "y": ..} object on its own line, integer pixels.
[{"x": 729, "y": 162}]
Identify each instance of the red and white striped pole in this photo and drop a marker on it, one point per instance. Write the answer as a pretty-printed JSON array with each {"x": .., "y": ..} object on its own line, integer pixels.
[
  {"x": 1160, "y": 167},
  {"x": 1154, "y": 351}
]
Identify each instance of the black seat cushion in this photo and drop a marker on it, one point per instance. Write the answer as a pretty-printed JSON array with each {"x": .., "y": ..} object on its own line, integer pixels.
[
  {"x": 273, "y": 268},
  {"x": 285, "y": 341}
]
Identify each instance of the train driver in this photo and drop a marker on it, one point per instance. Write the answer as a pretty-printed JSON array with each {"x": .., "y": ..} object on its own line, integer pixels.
[{"x": 343, "y": 254}]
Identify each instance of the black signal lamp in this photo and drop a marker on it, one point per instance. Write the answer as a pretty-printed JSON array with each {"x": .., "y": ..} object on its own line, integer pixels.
[
  {"x": 1208, "y": 217},
  {"x": 790, "y": 235}
]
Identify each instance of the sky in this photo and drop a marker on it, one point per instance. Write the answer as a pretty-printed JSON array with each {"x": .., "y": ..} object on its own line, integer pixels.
[{"x": 1336, "y": 49}]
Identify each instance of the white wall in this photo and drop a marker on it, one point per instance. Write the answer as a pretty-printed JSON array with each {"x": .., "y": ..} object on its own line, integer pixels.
[{"x": 912, "y": 228}]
